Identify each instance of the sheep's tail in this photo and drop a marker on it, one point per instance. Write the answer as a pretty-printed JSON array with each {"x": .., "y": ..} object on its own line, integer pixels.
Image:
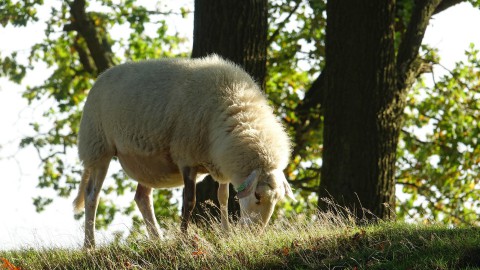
[{"x": 79, "y": 202}]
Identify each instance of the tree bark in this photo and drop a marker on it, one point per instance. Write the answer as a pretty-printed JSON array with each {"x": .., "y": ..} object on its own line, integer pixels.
[
  {"x": 360, "y": 136},
  {"x": 235, "y": 30},
  {"x": 364, "y": 100},
  {"x": 101, "y": 54}
]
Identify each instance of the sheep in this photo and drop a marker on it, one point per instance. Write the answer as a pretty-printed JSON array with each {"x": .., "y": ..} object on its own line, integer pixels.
[{"x": 170, "y": 121}]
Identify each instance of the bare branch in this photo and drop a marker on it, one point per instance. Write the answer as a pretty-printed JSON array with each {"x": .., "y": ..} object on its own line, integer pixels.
[{"x": 282, "y": 24}]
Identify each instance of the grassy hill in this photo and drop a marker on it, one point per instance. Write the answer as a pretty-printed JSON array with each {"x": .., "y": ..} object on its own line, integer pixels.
[{"x": 328, "y": 242}]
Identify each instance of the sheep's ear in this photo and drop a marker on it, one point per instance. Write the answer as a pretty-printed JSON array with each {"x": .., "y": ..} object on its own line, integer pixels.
[{"x": 288, "y": 190}]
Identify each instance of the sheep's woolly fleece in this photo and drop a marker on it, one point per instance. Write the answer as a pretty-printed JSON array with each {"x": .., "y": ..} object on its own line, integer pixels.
[{"x": 165, "y": 114}]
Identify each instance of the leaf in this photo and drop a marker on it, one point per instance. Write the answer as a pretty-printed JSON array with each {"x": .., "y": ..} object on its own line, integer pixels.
[
  {"x": 441, "y": 166},
  {"x": 285, "y": 251},
  {"x": 199, "y": 252},
  {"x": 296, "y": 243},
  {"x": 128, "y": 265},
  {"x": 71, "y": 72},
  {"x": 359, "y": 235},
  {"x": 8, "y": 265}
]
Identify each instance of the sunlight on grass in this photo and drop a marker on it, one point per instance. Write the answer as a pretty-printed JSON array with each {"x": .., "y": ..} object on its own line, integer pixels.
[{"x": 326, "y": 241}]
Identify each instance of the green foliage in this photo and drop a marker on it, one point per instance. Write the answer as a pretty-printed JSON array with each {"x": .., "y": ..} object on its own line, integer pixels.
[
  {"x": 18, "y": 13},
  {"x": 440, "y": 153},
  {"x": 40, "y": 203},
  {"x": 403, "y": 10},
  {"x": 296, "y": 51},
  {"x": 437, "y": 172},
  {"x": 442, "y": 192},
  {"x": 69, "y": 73},
  {"x": 475, "y": 3},
  {"x": 11, "y": 68}
]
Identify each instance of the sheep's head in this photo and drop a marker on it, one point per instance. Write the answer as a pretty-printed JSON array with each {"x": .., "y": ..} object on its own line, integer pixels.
[{"x": 259, "y": 193}]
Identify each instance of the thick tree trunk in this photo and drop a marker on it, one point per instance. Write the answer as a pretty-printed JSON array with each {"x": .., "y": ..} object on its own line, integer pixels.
[
  {"x": 361, "y": 127},
  {"x": 236, "y": 30}
]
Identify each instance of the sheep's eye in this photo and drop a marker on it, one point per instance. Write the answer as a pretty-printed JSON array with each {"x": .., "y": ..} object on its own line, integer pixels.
[{"x": 257, "y": 196}]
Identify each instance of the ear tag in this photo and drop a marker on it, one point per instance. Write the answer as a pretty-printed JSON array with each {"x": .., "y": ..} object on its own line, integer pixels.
[{"x": 246, "y": 188}]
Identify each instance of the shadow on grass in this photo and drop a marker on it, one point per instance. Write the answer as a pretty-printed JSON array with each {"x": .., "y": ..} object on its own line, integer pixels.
[{"x": 393, "y": 247}]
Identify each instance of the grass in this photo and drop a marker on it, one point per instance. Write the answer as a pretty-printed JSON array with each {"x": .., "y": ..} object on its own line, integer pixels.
[{"x": 329, "y": 242}]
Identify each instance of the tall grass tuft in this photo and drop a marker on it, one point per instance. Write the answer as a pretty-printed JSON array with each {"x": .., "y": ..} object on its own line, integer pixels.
[{"x": 329, "y": 240}]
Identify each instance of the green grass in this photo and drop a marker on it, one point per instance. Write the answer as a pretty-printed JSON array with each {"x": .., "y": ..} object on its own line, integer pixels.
[{"x": 330, "y": 242}]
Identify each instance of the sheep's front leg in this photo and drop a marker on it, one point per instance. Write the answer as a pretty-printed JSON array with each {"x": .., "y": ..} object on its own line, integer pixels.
[
  {"x": 189, "y": 176},
  {"x": 143, "y": 198},
  {"x": 222, "y": 195},
  {"x": 91, "y": 202}
]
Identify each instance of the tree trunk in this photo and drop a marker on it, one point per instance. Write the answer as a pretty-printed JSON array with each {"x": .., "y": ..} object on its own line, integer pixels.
[
  {"x": 236, "y": 30},
  {"x": 362, "y": 122}
]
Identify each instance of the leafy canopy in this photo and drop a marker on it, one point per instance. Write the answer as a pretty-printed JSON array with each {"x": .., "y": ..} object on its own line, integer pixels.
[{"x": 437, "y": 170}]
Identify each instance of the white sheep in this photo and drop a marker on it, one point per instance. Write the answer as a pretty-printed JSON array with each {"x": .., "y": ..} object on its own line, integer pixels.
[{"x": 168, "y": 121}]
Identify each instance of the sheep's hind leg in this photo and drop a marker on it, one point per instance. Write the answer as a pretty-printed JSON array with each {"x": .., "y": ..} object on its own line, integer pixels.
[
  {"x": 189, "y": 177},
  {"x": 94, "y": 186},
  {"x": 222, "y": 195},
  {"x": 143, "y": 198}
]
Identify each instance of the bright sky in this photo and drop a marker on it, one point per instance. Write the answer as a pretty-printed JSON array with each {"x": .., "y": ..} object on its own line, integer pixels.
[{"x": 451, "y": 31}]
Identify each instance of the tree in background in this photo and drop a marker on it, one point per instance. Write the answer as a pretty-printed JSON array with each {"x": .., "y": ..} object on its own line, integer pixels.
[
  {"x": 440, "y": 169},
  {"x": 295, "y": 57},
  {"x": 235, "y": 30},
  {"x": 367, "y": 83},
  {"x": 299, "y": 94},
  {"x": 77, "y": 47},
  {"x": 361, "y": 116},
  {"x": 436, "y": 172}
]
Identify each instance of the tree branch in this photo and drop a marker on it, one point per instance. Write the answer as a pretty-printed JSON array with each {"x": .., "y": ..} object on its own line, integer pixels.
[
  {"x": 314, "y": 96},
  {"x": 445, "y": 4},
  {"x": 85, "y": 27},
  {"x": 398, "y": 182},
  {"x": 433, "y": 142},
  {"x": 407, "y": 57},
  {"x": 282, "y": 24},
  {"x": 305, "y": 180},
  {"x": 436, "y": 206},
  {"x": 415, "y": 138},
  {"x": 312, "y": 101},
  {"x": 84, "y": 57},
  {"x": 463, "y": 84},
  {"x": 304, "y": 188}
]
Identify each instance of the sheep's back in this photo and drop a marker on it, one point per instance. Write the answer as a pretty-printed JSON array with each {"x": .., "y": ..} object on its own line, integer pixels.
[{"x": 152, "y": 106}]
